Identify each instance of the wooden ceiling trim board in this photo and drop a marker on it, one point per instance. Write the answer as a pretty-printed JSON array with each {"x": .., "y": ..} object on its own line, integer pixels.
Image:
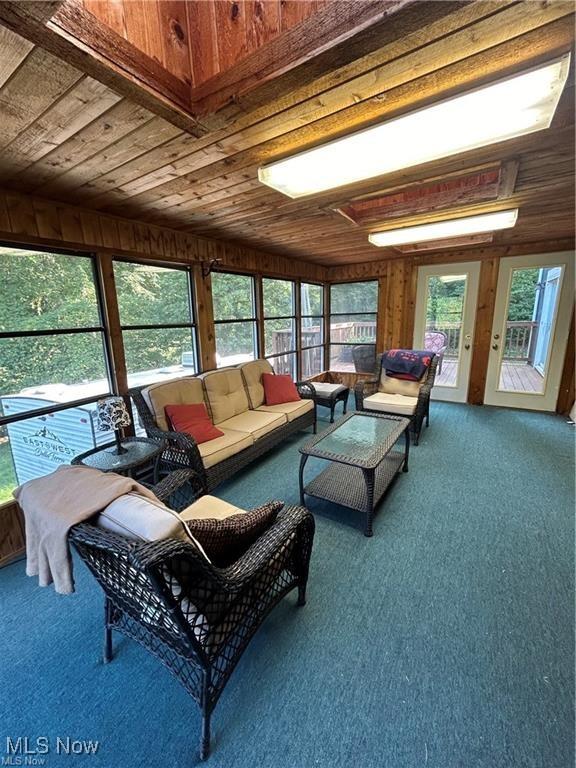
[
  {"x": 62, "y": 32},
  {"x": 538, "y": 45},
  {"x": 118, "y": 121},
  {"x": 31, "y": 90},
  {"x": 135, "y": 143},
  {"x": 75, "y": 109},
  {"x": 14, "y": 50}
]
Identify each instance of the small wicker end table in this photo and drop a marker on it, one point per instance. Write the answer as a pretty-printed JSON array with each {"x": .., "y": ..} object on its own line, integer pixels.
[
  {"x": 140, "y": 451},
  {"x": 363, "y": 461}
]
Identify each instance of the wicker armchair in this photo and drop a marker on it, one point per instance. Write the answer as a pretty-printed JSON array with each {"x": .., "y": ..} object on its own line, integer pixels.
[
  {"x": 195, "y": 618},
  {"x": 364, "y": 357},
  {"x": 366, "y": 388}
]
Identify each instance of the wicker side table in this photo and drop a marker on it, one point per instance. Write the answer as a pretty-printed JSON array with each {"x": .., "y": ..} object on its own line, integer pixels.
[{"x": 140, "y": 451}]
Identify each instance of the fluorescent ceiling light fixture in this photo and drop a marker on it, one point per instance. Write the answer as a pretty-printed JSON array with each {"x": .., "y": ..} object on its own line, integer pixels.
[
  {"x": 441, "y": 230},
  {"x": 503, "y": 110},
  {"x": 452, "y": 278}
]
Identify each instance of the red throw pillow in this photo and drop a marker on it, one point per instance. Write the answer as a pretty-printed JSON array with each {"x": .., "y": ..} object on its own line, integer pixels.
[
  {"x": 279, "y": 389},
  {"x": 192, "y": 419}
]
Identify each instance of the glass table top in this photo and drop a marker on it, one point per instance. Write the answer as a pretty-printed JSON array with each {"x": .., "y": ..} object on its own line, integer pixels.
[{"x": 359, "y": 438}]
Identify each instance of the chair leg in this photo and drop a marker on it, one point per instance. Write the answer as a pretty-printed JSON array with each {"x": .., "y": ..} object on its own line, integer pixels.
[
  {"x": 301, "y": 594},
  {"x": 332, "y": 406},
  {"x": 107, "y": 651}
]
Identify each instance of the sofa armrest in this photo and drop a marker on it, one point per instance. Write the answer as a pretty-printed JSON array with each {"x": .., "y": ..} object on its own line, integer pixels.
[
  {"x": 181, "y": 488},
  {"x": 306, "y": 390}
]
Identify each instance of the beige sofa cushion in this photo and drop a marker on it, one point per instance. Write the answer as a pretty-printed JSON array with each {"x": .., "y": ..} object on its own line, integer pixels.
[
  {"x": 256, "y": 423},
  {"x": 226, "y": 393},
  {"x": 210, "y": 508},
  {"x": 252, "y": 373},
  {"x": 400, "y": 386},
  {"x": 290, "y": 410},
  {"x": 185, "y": 391},
  {"x": 231, "y": 442},
  {"x": 399, "y": 404},
  {"x": 144, "y": 519}
]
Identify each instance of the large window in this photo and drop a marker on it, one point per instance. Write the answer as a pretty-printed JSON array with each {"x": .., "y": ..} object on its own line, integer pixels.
[
  {"x": 279, "y": 310},
  {"x": 53, "y": 362},
  {"x": 234, "y": 318},
  {"x": 311, "y": 329},
  {"x": 353, "y": 308},
  {"x": 157, "y": 319}
]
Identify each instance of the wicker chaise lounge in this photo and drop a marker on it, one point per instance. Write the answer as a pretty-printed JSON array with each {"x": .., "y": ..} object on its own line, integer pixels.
[
  {"x": 234, "y": 399},
  {"x": 197, "y": 619},
  {"x": 384, "y": 394}
]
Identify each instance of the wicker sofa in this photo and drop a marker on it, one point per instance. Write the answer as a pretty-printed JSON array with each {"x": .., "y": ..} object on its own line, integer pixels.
[
  {"x": 234, "y": 399},
  {"x": 196, "y": 618},
  {"x": 384, "y": 394}
]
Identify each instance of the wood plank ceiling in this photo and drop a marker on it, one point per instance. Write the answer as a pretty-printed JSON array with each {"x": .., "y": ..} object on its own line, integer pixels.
[{"x": 67, "y": 137}]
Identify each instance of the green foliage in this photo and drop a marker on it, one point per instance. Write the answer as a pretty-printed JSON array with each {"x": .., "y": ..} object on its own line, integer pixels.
[
  {"x": 354, "y": 297},
  {"x": 522, "y": 294}
]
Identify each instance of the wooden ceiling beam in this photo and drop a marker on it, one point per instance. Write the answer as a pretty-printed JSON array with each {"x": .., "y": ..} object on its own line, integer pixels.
[{"x": 67, "y": 30}]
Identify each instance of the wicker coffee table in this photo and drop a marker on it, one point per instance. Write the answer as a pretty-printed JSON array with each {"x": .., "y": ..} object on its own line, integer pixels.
[{"x": 363, "y": 461}]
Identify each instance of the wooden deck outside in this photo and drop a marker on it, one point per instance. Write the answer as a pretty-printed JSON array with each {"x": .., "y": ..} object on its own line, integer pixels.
[{"x": 515, "y": 376}]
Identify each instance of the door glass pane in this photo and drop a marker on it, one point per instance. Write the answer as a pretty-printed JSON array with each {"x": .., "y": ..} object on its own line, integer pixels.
[
  {"x": 312, "y": 361},
  {"x": 527, "y": 339},
  {"x": 284, "y": 364},
  {"x": 445, "y": 298}
]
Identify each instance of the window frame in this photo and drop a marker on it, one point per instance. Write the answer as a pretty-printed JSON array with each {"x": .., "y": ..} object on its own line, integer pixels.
[
  {"x": 332, "y": 314},
  {"x": 294, "y": 318},
  {"x": 254, "y": 319},
  {"x": 191, "y": 297},
  {"x": 102, "y": 328},
  {"x": 322, "y": 317}
]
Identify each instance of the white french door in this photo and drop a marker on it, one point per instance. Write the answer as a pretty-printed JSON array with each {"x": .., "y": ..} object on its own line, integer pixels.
[
  {"x": 446, "y": 300},
  {"x": 534, "y": 300}
]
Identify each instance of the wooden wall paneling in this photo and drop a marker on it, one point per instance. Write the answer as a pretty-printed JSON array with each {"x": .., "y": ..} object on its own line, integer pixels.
[
  {"x": 12, "y": 539},
  {"x": 23, "y": 218},
  {"x": 205, "y": 318},
  {"x": 111, "y": 12},
  {"x": 264, "y": 21},
  {"x": 483, "y": 329},
  {"x": 203, "y": 41},
  {"x": 567, "y": 394},
  {"x": 231, "y": 39},
  {"x": 175, "y": 38}
]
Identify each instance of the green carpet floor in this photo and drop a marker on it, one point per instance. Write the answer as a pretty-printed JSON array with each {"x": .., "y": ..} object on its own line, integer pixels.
[{"x": 445, "y": 641}]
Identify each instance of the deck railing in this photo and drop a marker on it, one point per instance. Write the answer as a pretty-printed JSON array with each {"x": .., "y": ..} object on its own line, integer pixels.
[{"x": 517, "y": 344}]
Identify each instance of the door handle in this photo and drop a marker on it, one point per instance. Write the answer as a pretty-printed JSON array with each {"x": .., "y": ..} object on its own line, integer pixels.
[
  {"x": 466, "y": 346},
  {"x": 494, "y": 346}
]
